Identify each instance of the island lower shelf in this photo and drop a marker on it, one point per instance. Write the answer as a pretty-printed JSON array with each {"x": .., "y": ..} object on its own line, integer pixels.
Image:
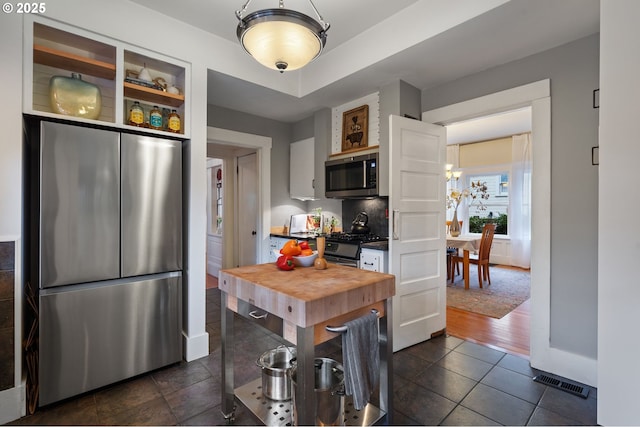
[{"x": 275, "y": 413}]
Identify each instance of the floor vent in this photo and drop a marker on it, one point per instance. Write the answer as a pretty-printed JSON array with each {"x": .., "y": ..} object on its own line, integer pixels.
[{"x": 567, "y": 386}]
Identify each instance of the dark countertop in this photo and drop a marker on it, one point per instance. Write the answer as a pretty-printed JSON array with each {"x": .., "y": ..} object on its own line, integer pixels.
[
  {"x": 380, "y": 245},
  {"x": 298, "y": 236}
]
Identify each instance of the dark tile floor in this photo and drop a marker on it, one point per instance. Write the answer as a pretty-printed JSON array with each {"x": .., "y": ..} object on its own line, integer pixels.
[{"x": 444, "y": 381}]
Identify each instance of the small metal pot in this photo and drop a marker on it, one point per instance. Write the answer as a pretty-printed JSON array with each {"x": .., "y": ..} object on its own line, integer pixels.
[
  {"x": 275, "y": 365},
  {"x": 329, "y": 391}
]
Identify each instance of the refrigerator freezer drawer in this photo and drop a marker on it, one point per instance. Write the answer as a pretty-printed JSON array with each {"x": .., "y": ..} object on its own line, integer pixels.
[{"x": 98, "y": 334}]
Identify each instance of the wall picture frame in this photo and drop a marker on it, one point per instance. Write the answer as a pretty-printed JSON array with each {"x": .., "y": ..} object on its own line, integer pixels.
[{"x": 355, "y": 128}]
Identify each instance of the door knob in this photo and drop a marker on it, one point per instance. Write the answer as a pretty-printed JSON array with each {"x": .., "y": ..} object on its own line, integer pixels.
[{"x": 253, "y": 233}]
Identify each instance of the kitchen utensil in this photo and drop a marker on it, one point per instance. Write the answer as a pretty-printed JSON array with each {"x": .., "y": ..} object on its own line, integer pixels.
[
  {"x": 359, "y": 224},
  {"x": 276, "y": 380},
  {"x": 320, "y": 263},
  {"x": 329, "y": 391}
]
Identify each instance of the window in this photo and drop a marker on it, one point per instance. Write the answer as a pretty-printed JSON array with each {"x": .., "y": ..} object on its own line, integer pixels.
[
  {"x": 497, "y": 205},
  {"x": 503, "y": 186}
]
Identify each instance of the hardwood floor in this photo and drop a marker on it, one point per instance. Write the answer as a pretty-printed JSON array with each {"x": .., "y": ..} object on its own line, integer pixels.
[
  {"x": 509, "y": 334},
  {"x": 212, "y": 281}
]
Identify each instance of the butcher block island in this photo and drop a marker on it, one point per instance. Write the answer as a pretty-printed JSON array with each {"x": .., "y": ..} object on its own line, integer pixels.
[{"x": 298, "y": 305}]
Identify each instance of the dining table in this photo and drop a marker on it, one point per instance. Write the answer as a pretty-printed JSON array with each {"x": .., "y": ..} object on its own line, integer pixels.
[{"x": 466, "y": 242}]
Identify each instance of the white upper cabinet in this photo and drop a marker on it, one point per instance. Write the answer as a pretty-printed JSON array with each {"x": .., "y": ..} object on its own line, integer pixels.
[
  {"x": 53, "y": 49},
  {"x": 302, "y": 170}
]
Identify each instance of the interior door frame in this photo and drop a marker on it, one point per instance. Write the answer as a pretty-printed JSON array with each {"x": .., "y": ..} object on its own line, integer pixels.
[
  {"x": 537, "y": 95},
  {"x": 262, "y": 146}
]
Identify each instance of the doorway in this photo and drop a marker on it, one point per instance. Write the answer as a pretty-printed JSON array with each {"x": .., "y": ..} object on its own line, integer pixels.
[
  {"x": 236, "y": 150},
  {"x": 215, "y": 191},
  {"x": 495, "y": 149},
  {"x": 537, "y": 96}
]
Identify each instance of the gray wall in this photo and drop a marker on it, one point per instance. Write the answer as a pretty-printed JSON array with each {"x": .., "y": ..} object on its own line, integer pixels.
[
  {"x": 302, "y": 129},
  {"x": 281, "y": 135},
  {"x": 398, "y": 98},
  {"x": 573, "y": 71},
  {"x": 317, "y": 126}
]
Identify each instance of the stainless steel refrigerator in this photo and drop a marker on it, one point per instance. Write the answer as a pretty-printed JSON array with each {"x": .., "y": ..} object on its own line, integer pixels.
[{"x": 108, "y": 239}]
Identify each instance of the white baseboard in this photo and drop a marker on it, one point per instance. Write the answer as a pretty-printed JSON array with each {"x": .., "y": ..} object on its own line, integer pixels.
[
  {"x": 12, "y": 404},
  {"x": 195, "y": 347},
  {"x": 499, "y": 259},
  {"x": 568, "y": 365}
]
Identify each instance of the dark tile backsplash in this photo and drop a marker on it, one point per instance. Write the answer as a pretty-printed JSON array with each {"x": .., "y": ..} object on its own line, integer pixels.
[
  {"x": 376, "y": 210},
  {"x": 7, "y": 315}
]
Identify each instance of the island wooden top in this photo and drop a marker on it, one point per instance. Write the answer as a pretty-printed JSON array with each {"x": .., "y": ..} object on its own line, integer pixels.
[{"x": 306, "y": 296}]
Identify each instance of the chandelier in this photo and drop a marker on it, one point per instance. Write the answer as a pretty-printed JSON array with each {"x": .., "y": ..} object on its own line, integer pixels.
[
  {"x": 281, "y": 39},
  {"x": 450, "y": 173}
]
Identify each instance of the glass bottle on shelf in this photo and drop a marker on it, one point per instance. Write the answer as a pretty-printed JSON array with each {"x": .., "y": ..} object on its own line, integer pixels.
[
  {"x": 72, "y": 96},
  {"x": 174, "y": 122},
  {"x": 155, "y": 118},
  {"x": 136, "y": 115}
]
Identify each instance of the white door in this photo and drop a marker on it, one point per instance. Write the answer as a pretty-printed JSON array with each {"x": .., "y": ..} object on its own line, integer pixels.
[
  {"x": 417, "y": 241},
  {"x": 247, "y": 229}
]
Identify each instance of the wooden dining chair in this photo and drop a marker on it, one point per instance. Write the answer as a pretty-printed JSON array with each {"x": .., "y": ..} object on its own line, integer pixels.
[
  {"x": 451, "y": 266},
  {"x": 482, "y": 258}
]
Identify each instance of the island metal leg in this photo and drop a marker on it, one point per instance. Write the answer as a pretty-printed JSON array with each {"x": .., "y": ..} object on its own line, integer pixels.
[
  {"x": 305, "y": 377},
  {"x": 228, "y": 397},
  {"x": 386, "y": 362}
]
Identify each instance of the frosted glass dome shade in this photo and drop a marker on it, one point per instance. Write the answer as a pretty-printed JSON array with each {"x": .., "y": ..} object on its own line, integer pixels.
[{"x": 281, "y": 39}]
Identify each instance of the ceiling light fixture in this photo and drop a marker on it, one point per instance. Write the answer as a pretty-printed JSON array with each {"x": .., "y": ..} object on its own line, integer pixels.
[
  {"x": 281, "y": 39},
  {"x": 451, "y": 173}
]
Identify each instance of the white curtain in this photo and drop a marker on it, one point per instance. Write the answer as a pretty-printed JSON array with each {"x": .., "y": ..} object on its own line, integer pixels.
[{"x": 520, "y": 195}]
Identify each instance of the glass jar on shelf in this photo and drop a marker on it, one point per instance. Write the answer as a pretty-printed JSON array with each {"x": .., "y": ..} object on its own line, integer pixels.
[
  {"x": 174, "y": 122},
  {"x": 155, "y": 118},
  {"x": 136, "y": 115}
]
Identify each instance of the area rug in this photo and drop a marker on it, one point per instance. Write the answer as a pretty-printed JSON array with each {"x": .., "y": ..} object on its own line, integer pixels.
[{"x": 509, "y": 288}]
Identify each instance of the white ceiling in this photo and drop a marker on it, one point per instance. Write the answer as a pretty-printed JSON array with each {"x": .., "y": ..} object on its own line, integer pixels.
[
  {"x": 490, "y": 127},
  {"x": 374, "y": 42}
]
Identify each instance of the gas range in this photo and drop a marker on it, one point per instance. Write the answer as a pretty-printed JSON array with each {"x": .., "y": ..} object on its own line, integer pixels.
[
  {"x": 354, "y": 237},
  {"x": 344, "y": 248}
]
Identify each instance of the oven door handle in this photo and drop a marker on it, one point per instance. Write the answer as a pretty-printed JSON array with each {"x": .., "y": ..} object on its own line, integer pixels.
[
  {"x": 347, "y": 264},
  {"x": 338, "y": 261}
]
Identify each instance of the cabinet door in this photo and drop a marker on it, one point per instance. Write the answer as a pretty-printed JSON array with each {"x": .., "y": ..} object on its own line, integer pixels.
[
  {"x": 301, "y": 170},
  {"x": 371, "y": 260},
  {"x": 275, "y": 244}
]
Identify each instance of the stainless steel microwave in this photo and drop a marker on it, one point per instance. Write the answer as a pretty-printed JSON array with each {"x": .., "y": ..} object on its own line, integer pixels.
[{"x": 352, "y": 177}]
